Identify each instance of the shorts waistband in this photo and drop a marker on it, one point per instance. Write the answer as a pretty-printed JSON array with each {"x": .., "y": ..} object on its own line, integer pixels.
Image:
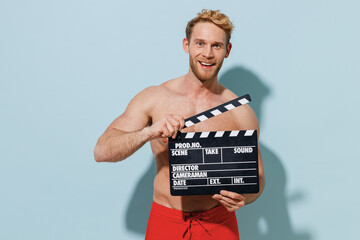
[{"x": 215, "y": 213}]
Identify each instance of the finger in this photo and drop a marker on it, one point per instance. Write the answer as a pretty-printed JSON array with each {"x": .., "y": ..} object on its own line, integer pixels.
[
  {"x": 170, "y": 128},
  {"x": 164, "y": 130},
  {"x": 175, "y": 128},
  {"x": 229, "y": 201},
  {"x": 182, "y": 123},
  {"x": 232, "y": 195},
  {"x": 216, "y": 196},
  {"x": 235, "y": 203},
  {"x": 180, "y": 120},
  {"x": 228, "y": 206},
  {"x": 175, "y": 121},
  {"x": 174, "y": 135}
]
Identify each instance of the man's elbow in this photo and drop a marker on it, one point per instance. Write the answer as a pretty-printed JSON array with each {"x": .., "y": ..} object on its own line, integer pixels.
[{"x": 100, "y": 154}]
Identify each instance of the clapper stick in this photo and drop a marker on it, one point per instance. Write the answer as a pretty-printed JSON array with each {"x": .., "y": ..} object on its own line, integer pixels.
[{"x": 212, "y": 112}]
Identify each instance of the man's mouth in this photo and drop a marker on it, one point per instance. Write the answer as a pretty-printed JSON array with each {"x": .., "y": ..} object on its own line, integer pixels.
[{"x": 206, "y": 65}]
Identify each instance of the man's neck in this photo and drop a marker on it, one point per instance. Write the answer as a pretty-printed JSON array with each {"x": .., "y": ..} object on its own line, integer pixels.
[{"x": 194, "y": 87}]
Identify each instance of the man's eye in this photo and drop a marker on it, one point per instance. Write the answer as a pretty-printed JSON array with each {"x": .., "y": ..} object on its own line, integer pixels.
[
  {"x": 200, "y": 44},
  {"x": 217, "y": 46}
]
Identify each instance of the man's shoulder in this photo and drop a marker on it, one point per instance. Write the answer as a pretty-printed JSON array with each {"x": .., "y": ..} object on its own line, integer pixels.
[
  {"x": 173, "y": 85},
  {"x": 153, "y": 92},
  {"x": 152, "y": 96},
  {"x": 244, "y": 114},
  {"x": 163, "y": 89},
  {"x": 227, "y": 93}
]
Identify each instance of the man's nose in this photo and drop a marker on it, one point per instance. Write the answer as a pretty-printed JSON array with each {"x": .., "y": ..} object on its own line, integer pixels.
[{"x": 208, "y": 52}]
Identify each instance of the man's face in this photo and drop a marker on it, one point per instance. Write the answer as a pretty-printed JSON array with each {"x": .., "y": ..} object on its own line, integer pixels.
[{"x": 207, "y": 50}]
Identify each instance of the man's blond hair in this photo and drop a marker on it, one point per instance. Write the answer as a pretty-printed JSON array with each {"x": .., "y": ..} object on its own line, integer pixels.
[{"x": 213, "y": 16}]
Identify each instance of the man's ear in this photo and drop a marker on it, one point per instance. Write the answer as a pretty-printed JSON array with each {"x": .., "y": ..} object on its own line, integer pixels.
[
  {"x": 228, "y": 49},
  {"x": 185, "y": 43}
]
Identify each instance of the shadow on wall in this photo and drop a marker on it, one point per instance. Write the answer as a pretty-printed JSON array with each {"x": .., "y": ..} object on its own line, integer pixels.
[
  {"x": 138, "y": 211},
  {"x": 268, "y": 217}
]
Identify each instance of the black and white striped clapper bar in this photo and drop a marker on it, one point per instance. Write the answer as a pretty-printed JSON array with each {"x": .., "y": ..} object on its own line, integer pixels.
[{"x": 203, "y": 163}]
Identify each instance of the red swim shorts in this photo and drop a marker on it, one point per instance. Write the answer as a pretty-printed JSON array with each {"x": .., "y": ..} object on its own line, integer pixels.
[{"x": 171, "y": 224}]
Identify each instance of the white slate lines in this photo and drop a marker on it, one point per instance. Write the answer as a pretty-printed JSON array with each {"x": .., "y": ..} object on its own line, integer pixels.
[{"x": 219, "y": 134}]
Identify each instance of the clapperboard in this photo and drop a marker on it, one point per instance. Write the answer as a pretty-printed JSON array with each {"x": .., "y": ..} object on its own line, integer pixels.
[{"x": 203, "y": 163}]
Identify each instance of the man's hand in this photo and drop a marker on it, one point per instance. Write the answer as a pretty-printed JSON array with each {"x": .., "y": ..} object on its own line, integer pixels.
[
  {"x": 167, "y": 126},
  {"x": 231, "y": 200}
]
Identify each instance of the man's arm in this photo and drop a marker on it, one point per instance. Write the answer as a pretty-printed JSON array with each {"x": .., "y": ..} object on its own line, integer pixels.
[
  {"x": 116, "y": 145},
  {"x": 231, "y": 200},
  {"x": 131, "y": 130}
]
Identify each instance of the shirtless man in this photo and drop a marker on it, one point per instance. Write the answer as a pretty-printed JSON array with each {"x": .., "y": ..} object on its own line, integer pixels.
[{"x": 158, "y": 112}]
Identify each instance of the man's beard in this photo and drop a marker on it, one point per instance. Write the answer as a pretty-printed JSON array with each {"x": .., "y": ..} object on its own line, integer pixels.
[{"x": 204, "y": 77}]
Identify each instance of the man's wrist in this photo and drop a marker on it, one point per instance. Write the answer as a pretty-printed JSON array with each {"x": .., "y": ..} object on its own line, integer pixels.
[{"x": 145, "y": 135}]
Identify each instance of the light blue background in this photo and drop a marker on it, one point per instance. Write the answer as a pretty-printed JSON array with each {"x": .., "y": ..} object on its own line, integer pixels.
[{"x": 68, "y": 68}]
